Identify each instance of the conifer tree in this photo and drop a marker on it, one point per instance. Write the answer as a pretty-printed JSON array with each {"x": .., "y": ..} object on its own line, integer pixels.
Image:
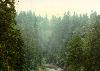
[{"x": 11, "y": 44}]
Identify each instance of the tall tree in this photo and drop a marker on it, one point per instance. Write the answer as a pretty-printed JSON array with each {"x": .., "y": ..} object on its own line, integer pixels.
[
  {"x": 11, "y": 44},
  {"x": 29, "y": 24},
  {"x": 95, "y": 45}
]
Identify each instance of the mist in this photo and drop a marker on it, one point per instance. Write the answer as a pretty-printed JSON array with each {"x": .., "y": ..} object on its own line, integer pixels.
[
  {"x": 49, "y": 35},
  {"x": 50, "y": 40}
]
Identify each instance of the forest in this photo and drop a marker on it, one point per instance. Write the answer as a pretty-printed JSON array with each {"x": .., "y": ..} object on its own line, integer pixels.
[{"x": 30, "y": 42}]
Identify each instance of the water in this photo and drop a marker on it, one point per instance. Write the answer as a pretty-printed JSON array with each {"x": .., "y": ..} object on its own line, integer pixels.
[{"x": 50, "y": 69}]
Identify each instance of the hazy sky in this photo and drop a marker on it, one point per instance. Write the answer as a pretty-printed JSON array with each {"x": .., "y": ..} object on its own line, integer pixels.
[{"x": 58, "y": 7}]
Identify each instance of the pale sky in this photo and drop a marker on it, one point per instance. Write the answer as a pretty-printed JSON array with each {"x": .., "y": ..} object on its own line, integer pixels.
[{"x": 58, "y": 7}]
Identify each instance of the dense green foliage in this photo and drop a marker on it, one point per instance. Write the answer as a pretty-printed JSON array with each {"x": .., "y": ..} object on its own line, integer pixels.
[
  {"x": 11, "y": 44},
  {"x": 27, "y": 23},
  {"x": 84, "y": 52},
  {"x": 71, "y": 41},
  {"x": 28, "y": 42}
]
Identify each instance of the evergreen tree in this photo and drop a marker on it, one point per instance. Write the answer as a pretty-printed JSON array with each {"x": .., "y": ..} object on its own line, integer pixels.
[
  {"x": 11, "y": 44},
  {"x": 74, "y": 54},
  {"x": 94, "y": 45},
  {"x": 29, "y": 24}
]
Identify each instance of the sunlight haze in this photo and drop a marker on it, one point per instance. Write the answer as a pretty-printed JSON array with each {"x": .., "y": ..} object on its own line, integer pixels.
[{"x": 58, "y": 7}]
